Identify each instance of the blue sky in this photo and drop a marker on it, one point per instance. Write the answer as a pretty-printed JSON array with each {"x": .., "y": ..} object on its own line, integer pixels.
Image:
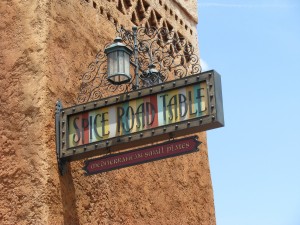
[{"x": 255, "y": 158}]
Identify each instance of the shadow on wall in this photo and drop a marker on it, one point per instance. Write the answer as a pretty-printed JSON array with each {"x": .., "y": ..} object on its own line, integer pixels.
[{"x": 68, "y": 198}]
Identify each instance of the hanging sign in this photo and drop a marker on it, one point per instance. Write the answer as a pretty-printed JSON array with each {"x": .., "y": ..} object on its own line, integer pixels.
[
  {"x": 179, "y": 107},
  {"x": 139, "y": 156},
  {"x": 138, "y": 115}
]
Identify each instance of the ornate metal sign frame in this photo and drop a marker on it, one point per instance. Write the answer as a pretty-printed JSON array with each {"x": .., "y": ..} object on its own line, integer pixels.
[
  {"x": 172, "y": 56},
  {"x": 213, "y": 119}
]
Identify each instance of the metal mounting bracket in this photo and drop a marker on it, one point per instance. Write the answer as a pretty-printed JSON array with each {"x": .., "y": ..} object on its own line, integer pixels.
[{"x": 60, "y": 162}]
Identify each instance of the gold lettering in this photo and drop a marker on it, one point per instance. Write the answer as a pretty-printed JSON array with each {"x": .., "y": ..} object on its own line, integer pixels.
[
  {"x": 138, "y": 155},
  {"x": 169, "y": 148},
  {"x": 95, "y": 165}
]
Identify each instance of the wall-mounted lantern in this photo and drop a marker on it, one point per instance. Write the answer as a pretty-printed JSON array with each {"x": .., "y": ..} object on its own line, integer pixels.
[{"x": 118, "y": 62}]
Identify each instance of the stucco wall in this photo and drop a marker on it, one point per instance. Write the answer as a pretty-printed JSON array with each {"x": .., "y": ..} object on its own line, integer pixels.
[
  {"x": 44, "y": 48},
  {"x": 189, "y": 7}
]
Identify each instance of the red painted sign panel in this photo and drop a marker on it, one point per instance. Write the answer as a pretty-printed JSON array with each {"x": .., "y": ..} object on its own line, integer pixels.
[{"x": 139, "y": 156}]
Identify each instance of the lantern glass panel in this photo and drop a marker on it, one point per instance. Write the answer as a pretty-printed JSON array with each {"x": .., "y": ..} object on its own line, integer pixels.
[
  {"x": 118, "y": 67},
  {"x": 121, "y": 62},
  {"x": 118, "y": 62},
  {"x": 126, "y": 64}
]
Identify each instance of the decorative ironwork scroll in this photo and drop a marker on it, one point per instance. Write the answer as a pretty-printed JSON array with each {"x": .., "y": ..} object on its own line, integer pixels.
[{"x": 160, "y": 56}]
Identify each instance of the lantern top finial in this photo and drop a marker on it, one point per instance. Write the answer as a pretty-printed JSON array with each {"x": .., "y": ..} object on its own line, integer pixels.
[
  {"x": 118, "y": 45},
  {"x": 118, "y": 39}
]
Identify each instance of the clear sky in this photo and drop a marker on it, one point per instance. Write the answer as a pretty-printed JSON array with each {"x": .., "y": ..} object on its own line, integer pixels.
[{"x": 255, "y": 158}]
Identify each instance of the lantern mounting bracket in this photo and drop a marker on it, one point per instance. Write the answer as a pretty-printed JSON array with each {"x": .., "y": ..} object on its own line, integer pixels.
[{"x": 157, "y": 55}]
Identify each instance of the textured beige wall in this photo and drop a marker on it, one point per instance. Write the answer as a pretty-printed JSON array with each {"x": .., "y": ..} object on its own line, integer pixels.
[
  {"x": 189, "y": 7},
  {"x": 44, "y": 48}
]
